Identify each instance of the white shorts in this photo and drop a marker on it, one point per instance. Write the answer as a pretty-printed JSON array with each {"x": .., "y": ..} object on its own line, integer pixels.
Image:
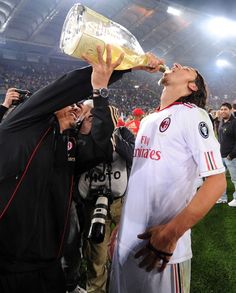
[{"x": 129, "y": 278}]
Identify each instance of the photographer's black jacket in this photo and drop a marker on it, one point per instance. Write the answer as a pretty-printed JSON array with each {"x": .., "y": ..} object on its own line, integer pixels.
[
  {"x": 3, "y": 110},
  {"x": 35, "y": 176}
]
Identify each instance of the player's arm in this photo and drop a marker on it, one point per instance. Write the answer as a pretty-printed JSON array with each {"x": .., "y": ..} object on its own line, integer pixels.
[
  {"x": 163, "y": 238},
  {"x": 205, "y": 198}
]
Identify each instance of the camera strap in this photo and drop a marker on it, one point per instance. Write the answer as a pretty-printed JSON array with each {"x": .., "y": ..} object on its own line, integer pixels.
[{"x": 109, "y": 170}]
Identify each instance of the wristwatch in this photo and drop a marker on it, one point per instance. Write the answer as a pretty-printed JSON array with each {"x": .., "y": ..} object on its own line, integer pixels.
[{"x": 102, "y": 92}]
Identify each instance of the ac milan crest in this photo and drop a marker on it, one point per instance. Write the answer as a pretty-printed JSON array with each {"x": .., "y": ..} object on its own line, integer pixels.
[{"x": 165, "y": 124}]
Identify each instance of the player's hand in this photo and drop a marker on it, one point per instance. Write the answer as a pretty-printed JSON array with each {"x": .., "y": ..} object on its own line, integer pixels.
[
  {"x": 153, "y": 64},
  {"x": 157, "y": 252}
]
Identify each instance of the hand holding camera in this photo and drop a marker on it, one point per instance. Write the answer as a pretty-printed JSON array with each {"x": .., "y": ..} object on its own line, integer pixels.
[
  {"x": 23, "y": 96},
  {"x": 15, "y": 97},
  {"x": 11, "y": 96}
]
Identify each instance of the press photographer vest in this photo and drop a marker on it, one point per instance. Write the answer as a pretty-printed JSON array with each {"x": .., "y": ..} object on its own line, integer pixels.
[{"x": 99, "y": 176}]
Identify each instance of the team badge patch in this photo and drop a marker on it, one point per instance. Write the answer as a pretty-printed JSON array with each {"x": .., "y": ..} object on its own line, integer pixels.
[
  {"x": 203, "y": 129},
  {"x": 69, "y": 145},
  {"x": 164, "y": 124}
]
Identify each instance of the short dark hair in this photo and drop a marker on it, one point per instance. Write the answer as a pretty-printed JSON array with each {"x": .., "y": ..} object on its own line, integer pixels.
[
  {"x": 228, "y": 105},
  {"x": 198, "y": 97}
]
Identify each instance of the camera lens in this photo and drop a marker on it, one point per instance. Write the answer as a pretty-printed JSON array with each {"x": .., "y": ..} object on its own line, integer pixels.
[{"x": 97, "y": 228}]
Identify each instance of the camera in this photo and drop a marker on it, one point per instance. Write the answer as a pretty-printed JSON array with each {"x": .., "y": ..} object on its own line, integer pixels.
[
  {"x": 24, "y": 94},
  {"x": 98, "y": 222}
]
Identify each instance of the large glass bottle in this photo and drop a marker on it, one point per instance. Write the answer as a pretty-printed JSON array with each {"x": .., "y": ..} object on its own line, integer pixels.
[{"x": 84, "y": 29}]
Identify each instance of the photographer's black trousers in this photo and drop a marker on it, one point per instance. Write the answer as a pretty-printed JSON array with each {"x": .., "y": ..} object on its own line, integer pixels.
[{"x": 46, "y": 280}]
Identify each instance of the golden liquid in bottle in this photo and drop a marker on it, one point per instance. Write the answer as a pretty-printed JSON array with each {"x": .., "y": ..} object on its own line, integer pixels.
[{"x": 88, "y": 45}]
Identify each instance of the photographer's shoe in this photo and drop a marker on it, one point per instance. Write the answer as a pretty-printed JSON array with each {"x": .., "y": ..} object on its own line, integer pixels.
[
  {"x": 78, "y": 289},
  {"x": 232, "y": 203}
]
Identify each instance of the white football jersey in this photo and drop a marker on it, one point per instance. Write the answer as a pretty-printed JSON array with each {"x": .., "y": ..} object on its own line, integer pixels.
[{"x": 173, "y": 147}]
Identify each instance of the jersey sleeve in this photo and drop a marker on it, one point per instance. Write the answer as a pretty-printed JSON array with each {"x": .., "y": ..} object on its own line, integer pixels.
[{"x": 201, "y": 141}]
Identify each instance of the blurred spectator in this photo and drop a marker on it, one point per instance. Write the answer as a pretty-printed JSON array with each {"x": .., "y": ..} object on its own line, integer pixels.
[
  {"x": 217, "y": 120},
  {"x": 120, "y": 122},
  {"x": 133, "y": 125},
  {"x": 211, "y": 115},
  {"x": 227, "y": 139},
  {"x": 234, "y": 109}
]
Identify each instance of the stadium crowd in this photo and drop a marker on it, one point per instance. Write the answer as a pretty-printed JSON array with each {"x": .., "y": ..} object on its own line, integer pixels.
[{"x": 137, "y": 90}]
